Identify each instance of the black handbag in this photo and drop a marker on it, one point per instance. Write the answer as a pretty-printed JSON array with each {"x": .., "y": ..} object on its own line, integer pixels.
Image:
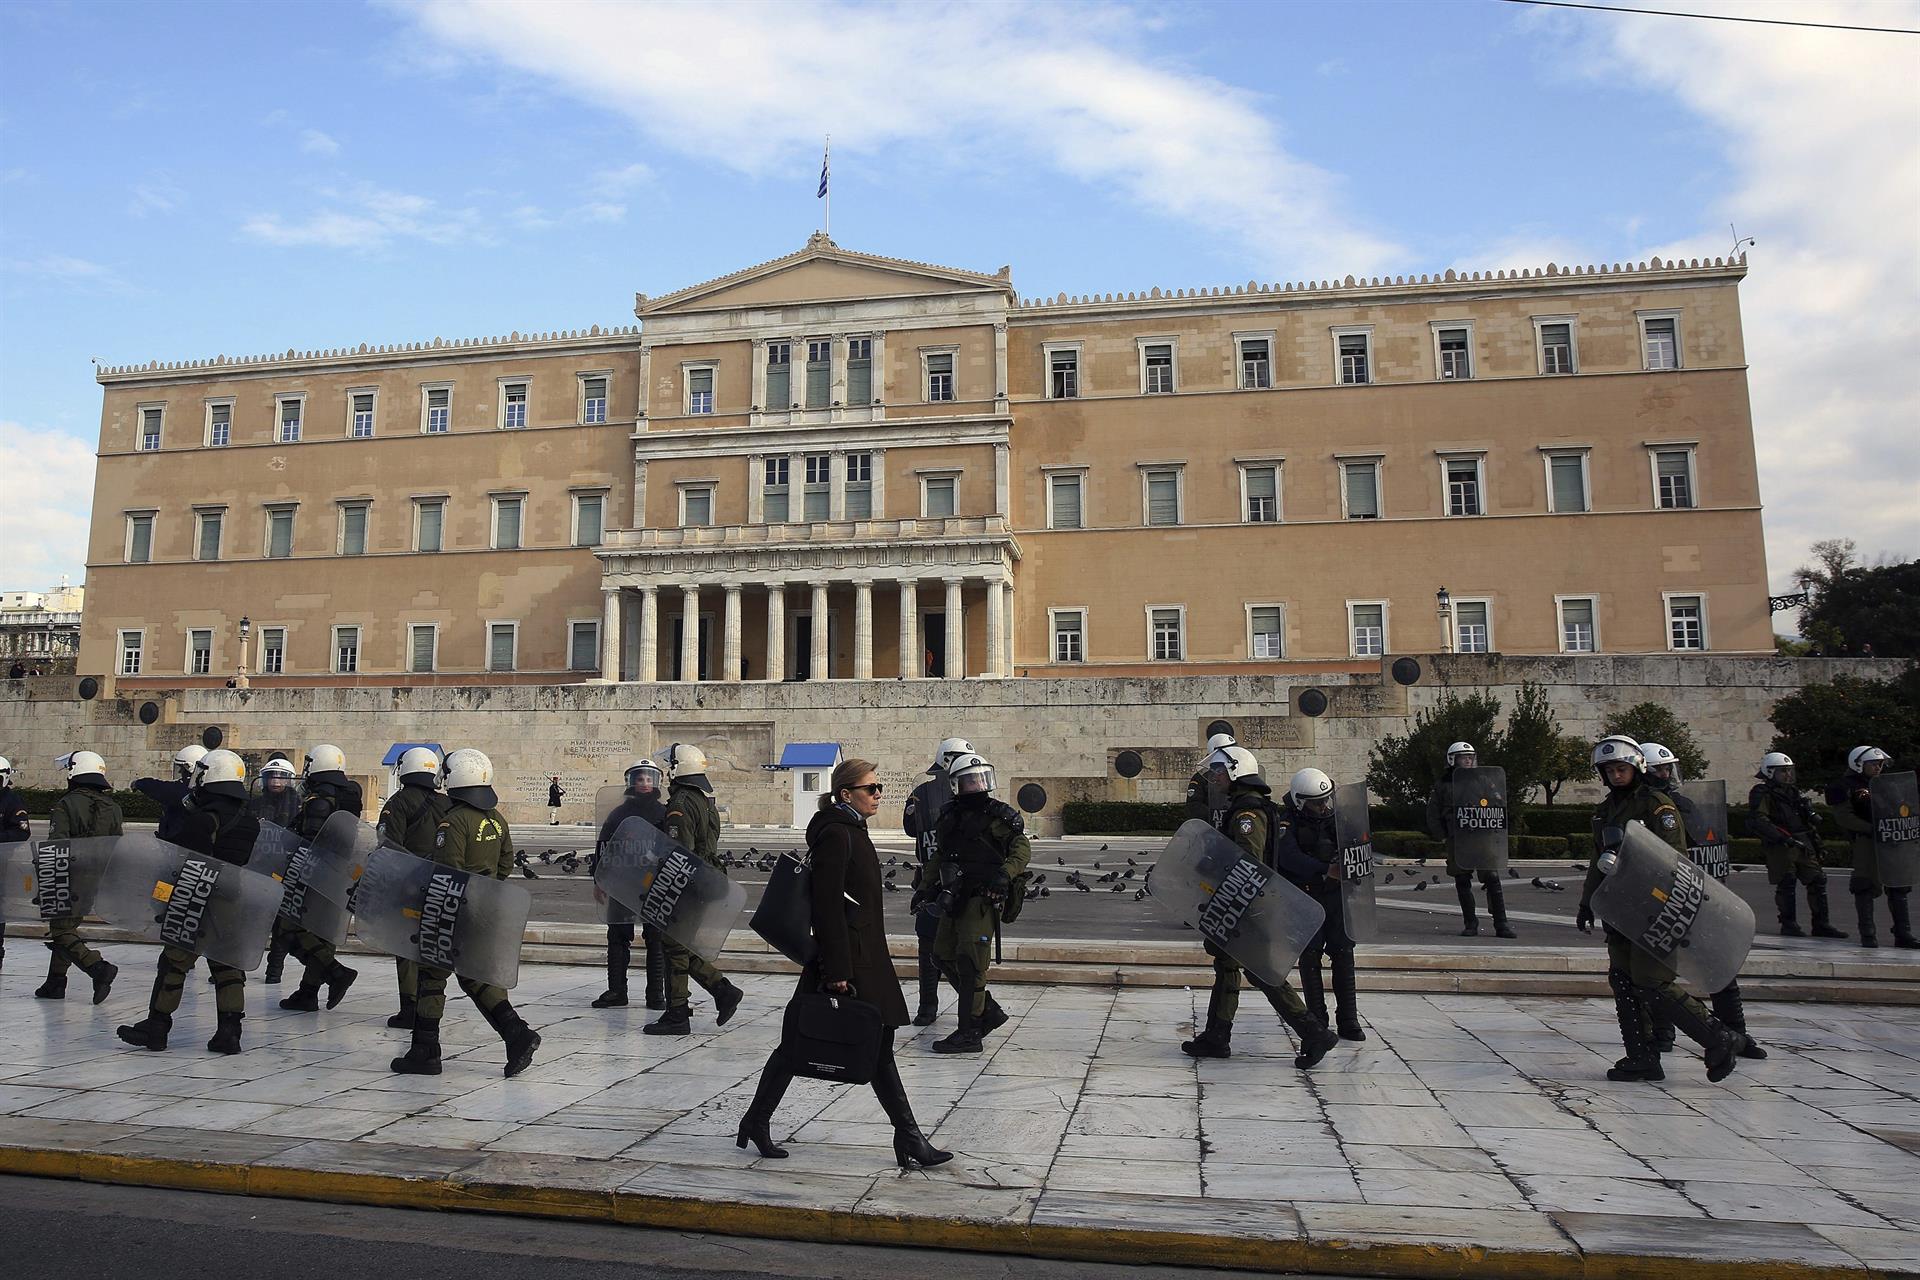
[
  {"x": 829, "y": 1037},
  {"x": 785, "y": 914}
]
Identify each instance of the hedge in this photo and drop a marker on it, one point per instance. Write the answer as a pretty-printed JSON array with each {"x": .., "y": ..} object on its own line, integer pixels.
[
  {"x": 134, "y": 807},
  {"x": 1119, "y": 817}
]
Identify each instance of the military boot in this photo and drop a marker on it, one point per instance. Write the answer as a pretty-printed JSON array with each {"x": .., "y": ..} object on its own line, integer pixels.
[
  {"x": 1817, "y": 908},
  {"x": 305, "y": 999},
  {"x": 520, "y": 1039},
  {"x": 1863, "y": 916},
  {"x": 1662, "y": 1030},
  {"x": 404, "y": 1019},
  {"x": 1642, "y": 1062},
  {"x": 1897, "y": 903},
  {"x": 966, "y": 1037},
  {"x": 676, "y": 1021},
  {"x": 656, "y": 974},
  {"x": 1315, "y": 1038},
  {"x": 611, "y": 998},
  {"x": 55, "y": 987},
  {"x": 1783, "y": 900},
  {"x": 1346, "y": 1001},
  {"x": 929, "y": 1010},
  {"x": 994, "y": 1018},
  {"x": 1721, "y": 1042},
  {"x": 726, "y": 998},
  {"x": 1312, "y": 990},
  {"x": 1497, "y": 907},
  {"x": 423, "y": 1055},
  {"x": 103, "y": 972},
  {"x": 1214, "y": 1042},
  {"x": 226, "y": 1036},
  {"x": 276, "y": 960},
  {"x": 1732, "y": 1010},
  {"x": 148, "y": 1033},
  {"x": 1463, "y": 889},
  {"x": 337, "y": 979}
]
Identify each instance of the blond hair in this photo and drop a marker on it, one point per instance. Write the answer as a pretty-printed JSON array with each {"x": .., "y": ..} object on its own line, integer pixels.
[{"x": 845, "y": 774}]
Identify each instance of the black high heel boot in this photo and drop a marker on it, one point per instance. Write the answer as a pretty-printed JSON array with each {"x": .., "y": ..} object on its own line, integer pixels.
[
  {"x": 910, "y": 1146},
  {"x": 756, "y": 1125}
]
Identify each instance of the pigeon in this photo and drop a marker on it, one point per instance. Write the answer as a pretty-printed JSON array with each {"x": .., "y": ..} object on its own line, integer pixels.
[
  {"x": 1388, "y": 880},
  {"x": 1128, "y": 874},
  {"x": 1096, "y": 861},
  {"x": 1046, "y": 893},
  {"x": 1139, "y": 894},
  {"x": 890, "y": 886},
  {"x": 1082, "y": 888},
  {"x": 1421, "y": 887},
  {"x": 1061, "y": 861},
  {"x": 1422, "y": 862},
  {"x": 569, "y": 862},
  {"x": 1578, "y": 866},
  {"x": 546, "y": 856},
  {"x": 1103, "y": 849},
  {"x": 1132, "y": 863},
  {"x": 1512, "y": 874},
  {"x": 1554, "y": 885},
  {"x": 1119, "y": 888},
  {"x": 752, "y": 851},
  {"x": 526, "y": 872},
  {"x": 889, "y": 878}
]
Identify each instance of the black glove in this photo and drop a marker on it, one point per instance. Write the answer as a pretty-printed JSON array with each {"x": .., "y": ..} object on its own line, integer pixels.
[
  {"x": 997, "y": 889},
  {"x": 1584, "y": 918}
]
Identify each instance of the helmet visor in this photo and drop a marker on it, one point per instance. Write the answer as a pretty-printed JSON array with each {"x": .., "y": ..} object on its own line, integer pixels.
[
  {"x": 974, "y": 782},
  {"x": 644, "y": 778}
]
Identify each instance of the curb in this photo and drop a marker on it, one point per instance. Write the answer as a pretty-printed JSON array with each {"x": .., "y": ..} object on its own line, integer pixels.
[{"x": 1409, "y": 1259}]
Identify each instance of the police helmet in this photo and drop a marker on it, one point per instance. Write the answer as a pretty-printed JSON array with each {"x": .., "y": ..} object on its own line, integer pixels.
[
  {"x": 1618, "y": 749},
  {"x": 1459, "y": 749},
  {"x": 185, "y": 758},
  {"x": 949, "y": 750},
  {"x": 6, "y": 771},
  {"x": 1772, "y": 763},
  {"x": 643, "y": 771},
  {"x": 221, "y": 773},
  {"x": 1311, "y": 787},
  {"x": 418, "y": 760},
  {"x": 1236, "y": 760},
  {"x": 685, "y": 760},
  {"x": 1658, "y": 756},
  {"x": 324, "y": 757},
  {"x": 83, "y": 764},
  {"x": 970, "y": 775},
  {"x": 1220, "y": 740},
  {"x": 1857, "y": 758},
  {"x": 467, "y": 768}
]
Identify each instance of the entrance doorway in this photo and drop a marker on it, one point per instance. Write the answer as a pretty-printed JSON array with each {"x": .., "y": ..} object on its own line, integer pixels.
[
  {"x": 705, "y": 647},
  {"x": 933, "y": 633}
]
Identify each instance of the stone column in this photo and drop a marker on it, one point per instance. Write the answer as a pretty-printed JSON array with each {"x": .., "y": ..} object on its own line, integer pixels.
[
  {"x": 996, "y": 630},
  {"x": 610, "y": 635},
  {"x": 1006, "y": 589},
  {"x": 649, "y": 634},
  {"x": 863, "y": 631},
  {"x": 956, "y": 634},
  {"x": 730, "y": 645},
  {"x": 818, "y": 665},
  {"x": 690, "y": 633},
  {"x": 910, "y": 648},
  {"x": 777, "y": 632}
]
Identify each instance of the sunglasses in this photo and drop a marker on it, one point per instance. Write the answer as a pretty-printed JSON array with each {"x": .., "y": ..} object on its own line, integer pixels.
[{"x": 871, "y": 788}]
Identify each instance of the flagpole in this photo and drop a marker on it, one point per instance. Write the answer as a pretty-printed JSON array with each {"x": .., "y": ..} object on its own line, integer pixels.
[{"x": 826, "y": 163}]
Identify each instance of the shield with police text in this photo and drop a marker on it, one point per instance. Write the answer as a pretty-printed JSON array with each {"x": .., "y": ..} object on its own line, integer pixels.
[
  {"x": 605, "y": 801},
  {"x": 1477, "y": 818},
  {"x": 1246, "y": 909},
  {"x": 1703, "y": 807},
  {"x": 1353, "y": 831},
  {"x": 179, "y": 898},
  {"x": 1674, "y": 911},
  {"x": 670, "y": 890},
  {"x": 284, "y": 856},
  {"x": 338, "y": 857},
  {"x": 441, "y": 917},
  {"x": 52, "y": 879},
  {"x": 1895, "y": 801}
]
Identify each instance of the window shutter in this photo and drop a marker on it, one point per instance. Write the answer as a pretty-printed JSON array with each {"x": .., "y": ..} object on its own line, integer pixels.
[
  {"x": 1569, "y": 486},
  {"x": 1066, "y": 502},
  {"x": 1363, "y": 490},
  {"x": 1163, "y": 499}
]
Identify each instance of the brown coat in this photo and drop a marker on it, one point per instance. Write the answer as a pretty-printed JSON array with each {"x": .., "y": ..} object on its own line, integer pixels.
[{"x": 852, "y": 936}]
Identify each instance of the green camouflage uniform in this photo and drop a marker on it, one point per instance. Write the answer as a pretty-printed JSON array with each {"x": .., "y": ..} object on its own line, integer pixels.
[
  {"x": 693, "y": 822},
  {"x": 987, "y": 844},
  {"x": 82, "y": 813},
  {"x": 475, "y": 841}
]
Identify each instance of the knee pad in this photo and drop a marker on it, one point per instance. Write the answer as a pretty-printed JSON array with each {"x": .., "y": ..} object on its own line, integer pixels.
[{"x": 1620, "y": 982}]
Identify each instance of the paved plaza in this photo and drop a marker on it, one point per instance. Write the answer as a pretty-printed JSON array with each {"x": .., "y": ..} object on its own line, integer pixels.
[{"x": 1464, "y": 1128}]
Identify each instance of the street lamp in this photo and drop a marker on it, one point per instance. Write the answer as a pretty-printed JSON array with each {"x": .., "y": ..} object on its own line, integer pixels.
[
  {"x": 246, "y": 628},
  {"x": 1443, "y": 605}
]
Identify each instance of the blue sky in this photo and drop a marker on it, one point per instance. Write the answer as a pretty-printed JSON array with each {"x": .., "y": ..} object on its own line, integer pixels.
[{"x": 243, "y": 178}]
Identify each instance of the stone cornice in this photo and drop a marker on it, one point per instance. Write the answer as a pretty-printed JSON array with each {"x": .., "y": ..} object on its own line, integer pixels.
[
  {"x": 372, "y": 356},
  {"x": 896, "y": 433}
]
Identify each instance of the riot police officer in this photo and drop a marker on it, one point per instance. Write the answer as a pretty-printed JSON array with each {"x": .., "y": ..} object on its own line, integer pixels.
[
  {"x": 1641, "y": 982},
  {"x": 409, "y": 820},
  {"x": 174, "y": 796},
  {"x": 86, "y": 811},
  {"x": 692, "y": 821},
  {"x": 472, "y": 837},
  {"x": 15, "y": 827},
  {"x": 1852, "y": 805},
  {"x": 1207, "y": 788},
  {"x": 328, "y": 791},
  {"x": 1462, "y": 755},
  {"x": 1307, "y": 852},
  {"x": 1784, "y": 820},
  {"x": 216, "y": 826},
  {"x": 1251, "y": 817},
  {"x": 642, "y": 800},
  {"x": 276, "y": 799},
  {"x": 920, "y": 817},
  {"x": 980, "y": 853}
]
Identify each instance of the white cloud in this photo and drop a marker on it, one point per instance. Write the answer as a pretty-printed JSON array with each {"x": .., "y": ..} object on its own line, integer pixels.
[
  {"x": 367, "y": 217},
  {"x": 158, "y": 194},
  {"x": 1058, "y": 85},
  {"x": 44, "y": 525},
  {"x": 68, "y": 271},
  {"x": 317, "y": 143}
]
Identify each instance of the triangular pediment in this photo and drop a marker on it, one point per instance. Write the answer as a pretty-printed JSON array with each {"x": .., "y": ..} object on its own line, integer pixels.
[{"x": 824, "y": 272}]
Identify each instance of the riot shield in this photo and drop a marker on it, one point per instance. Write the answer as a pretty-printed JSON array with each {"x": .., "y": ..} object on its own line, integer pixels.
[
  {"x": 176, "y": 897},
  {"x": 286, "y": 858},
  {"x": 274, "y": 798},
  {"x": 1895, "y": 801},
  {"x": 1703, "y": 806},
  {"x": 605, "y": 801},
  {"x": 1477, "y": 818},
  {"x": 441, "y": 917},
  {"x": 617, "y": 875},
  {"x": 51, "y": 879},
  {"x": 1353, "y": 830},
  {"x": 1247, "y": 910},
  {"x": 273, "y": 849},
  {"x": 338, "y": 857},
  {"x": 669, "y": 889},
  {"x": 1673, "y": 911}
]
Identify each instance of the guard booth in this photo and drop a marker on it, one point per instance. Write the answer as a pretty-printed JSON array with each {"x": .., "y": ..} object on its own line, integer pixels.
[
  {"x": 811, "y": 764},
  {"x": 392, "y": 761}
]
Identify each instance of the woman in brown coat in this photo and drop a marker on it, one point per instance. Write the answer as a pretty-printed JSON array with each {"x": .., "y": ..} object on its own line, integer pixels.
[{"x": 850, "y": 935}]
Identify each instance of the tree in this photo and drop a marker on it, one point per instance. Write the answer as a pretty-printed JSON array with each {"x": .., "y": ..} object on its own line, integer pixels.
[
  {"x": 1402, "y": 769},
  {"x": 1652, "y": 722},
  {"x": 1575, "y": 760},
  {"x": 1818, "y": 724},
  {"x": 1859, "y": 606},
  {"x": 1533, "y": 750}
]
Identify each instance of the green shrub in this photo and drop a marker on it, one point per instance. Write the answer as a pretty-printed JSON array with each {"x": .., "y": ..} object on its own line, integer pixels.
[
  {"x": 1119, "y": 817},
  {"x": 1555, "y": 820},
  {"x": 1538, "y": 846},
  {"x": 134, "y": 807},
  {"x": 1406, "y": 844}
]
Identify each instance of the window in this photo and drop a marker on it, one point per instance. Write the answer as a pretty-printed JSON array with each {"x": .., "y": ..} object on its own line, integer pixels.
[
  {"x": 1360, "y": 489},
  {"x": 273, "y": 651},
  {"x": 279, "y": 532},
  {"x": 206, "y": 542},
  {"x": 773, "y": 494},
  {"x": 1063, "y": 499},
  {"x": 346, "y": 650},
  {"x": 199, "y": 652},
  {"x": 513, "y": 406},
  {"x": 506, "y": 523},
  {"x": 353, "y": 528},
  {"x": 150, "y": 428},
  {"x": 939, "y": 367},
  {"x": 1265, "y": 628},
  {"x": 937, "y": 496},
  {"x": 1567, "y": 482},
  {"x": 1069, "y": 634},
  {"x": 360, "y": 415},
  {"x": 817, "y": 497},
  {"x": 1162, "y": 497},
  {"x": 859, "y": 371},
  {"x": 588, "y": 508},
  {"x": 1463, "y": 483},
  {"x": 1660, "y": 340},
  {"x": 1454, "y": 349},
  {"x": 1367, "y": 627},
  {"x": 779, "y": 375},
  {"x": 219, "y": 425},
  {"x": 593, "y": 399},
  {"x": 1578, "y": 628},
  {"x": 583, "y": 646},
  {"x": 1256, "y": 363},
  {"x": 1555, "y": 338},
  {"x": 700, "y": 390},
  {"x": 292, "y": 409},
  {"x": 1260, "y": 487},
  {"x": 1353, "y": 355},
  {"x": 131, "y": 645},
  {"x": 141, "y": 538},
  {"x": 1063, "y": 373},
  {"x": 1156, "y": 368},
  {"x": 696, "y": 507},
  {"x": 503, "y": 638},
  {"x": 1165, "y": 628},
  {"x": 429, "y": 519},
  {"x": 1673, "y": 479},
  {"x": 820, "y": 373},
  {"x": 423, "y": 644},
  {"x": 1472, "y": 626},
  {"x": 437, "y": 410},
  {"x": 1686, "y": 622},
  {"x": 859, "y": 486}
]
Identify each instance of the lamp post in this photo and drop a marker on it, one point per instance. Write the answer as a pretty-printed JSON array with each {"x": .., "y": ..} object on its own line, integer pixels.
[
  {"x": 1443, "y": 605},
  {"x": 246, "y": 629}
]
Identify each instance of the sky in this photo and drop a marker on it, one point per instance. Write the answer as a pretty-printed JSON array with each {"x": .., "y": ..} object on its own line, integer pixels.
[{"x": 238, "y": 178}]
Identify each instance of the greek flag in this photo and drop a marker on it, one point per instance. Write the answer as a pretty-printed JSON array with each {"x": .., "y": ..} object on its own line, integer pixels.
[{"x": 822, "y": 192}]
